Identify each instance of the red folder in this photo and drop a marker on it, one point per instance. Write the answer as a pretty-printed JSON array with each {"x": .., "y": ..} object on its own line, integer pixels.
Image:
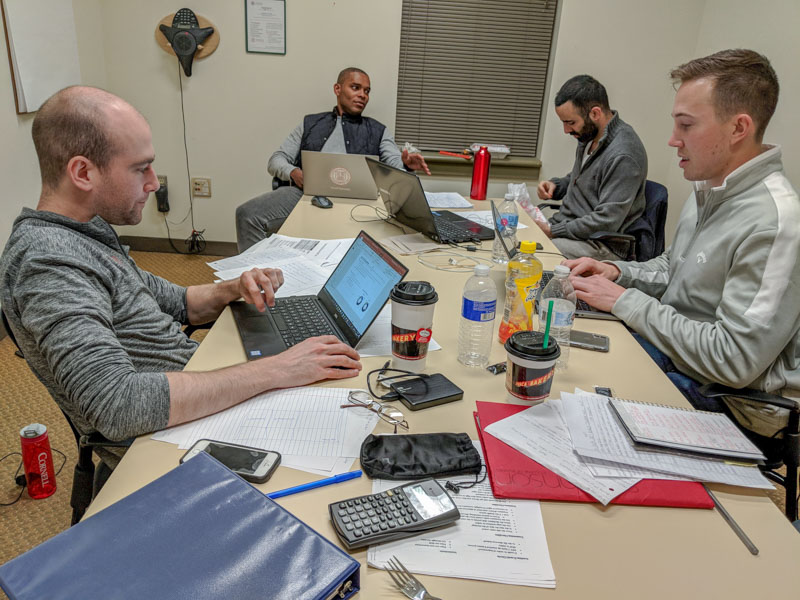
[{"x": 514, "y": 475}]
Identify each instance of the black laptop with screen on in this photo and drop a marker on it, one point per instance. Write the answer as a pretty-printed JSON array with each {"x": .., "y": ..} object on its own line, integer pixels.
[
  {"x": 405, "y": 200},
  {"x": 582, "y": 309},
  {"x": 345, "y": 307}
]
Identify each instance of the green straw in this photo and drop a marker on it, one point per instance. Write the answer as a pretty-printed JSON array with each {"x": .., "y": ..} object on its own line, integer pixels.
[{"x": 547, "y": 325}]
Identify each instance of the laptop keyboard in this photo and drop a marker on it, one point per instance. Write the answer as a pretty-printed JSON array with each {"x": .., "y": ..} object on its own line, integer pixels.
[
  {"x": 299, "y": 318},
  {"x": 581, "y": 305},
  {"x": 450, "y": 232}
]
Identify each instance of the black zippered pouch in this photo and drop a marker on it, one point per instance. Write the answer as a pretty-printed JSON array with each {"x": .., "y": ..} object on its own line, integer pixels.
[{"x": 417, "y": 456}]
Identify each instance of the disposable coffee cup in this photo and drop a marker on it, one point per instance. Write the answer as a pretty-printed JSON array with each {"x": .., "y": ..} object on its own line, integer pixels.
[
  {"x": 412, "y": 323},
  {"x": 529, "y": 372}
]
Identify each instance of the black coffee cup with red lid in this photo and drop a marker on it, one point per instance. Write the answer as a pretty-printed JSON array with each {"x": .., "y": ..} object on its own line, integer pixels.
[{"x": 530, "y": 368}]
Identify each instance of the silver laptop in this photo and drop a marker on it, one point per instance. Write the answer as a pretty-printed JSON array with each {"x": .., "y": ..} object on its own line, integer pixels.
[
  {"x": 337, "y": 175},
  {"x": 581, "y": 310}
]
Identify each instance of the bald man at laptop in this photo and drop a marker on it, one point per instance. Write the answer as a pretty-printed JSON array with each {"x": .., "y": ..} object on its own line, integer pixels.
[{"x": 342, "y": 130}]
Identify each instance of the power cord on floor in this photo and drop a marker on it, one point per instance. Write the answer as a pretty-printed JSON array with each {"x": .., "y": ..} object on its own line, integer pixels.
[{"x": 19, "y": 479}]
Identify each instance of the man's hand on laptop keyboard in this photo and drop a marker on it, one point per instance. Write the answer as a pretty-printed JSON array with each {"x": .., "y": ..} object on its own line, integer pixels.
[
  {"x": 258, "y": 286},
  {"x": 597, "y": 291},
  {"x": 585, "y": 266},
  {"x": 314, "y": 359}
]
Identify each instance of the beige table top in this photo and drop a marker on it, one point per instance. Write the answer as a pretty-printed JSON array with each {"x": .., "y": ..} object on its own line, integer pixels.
[{"x": 613, "y": 552}]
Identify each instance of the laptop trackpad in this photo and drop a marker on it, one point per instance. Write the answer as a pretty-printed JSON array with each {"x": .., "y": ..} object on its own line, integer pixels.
[{"x": 259, "y": 335}]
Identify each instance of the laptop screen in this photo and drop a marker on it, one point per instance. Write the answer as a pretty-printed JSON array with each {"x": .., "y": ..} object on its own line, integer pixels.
[
  {"x": 404, "y": 197},
  {"x": 359, "y": 287}
]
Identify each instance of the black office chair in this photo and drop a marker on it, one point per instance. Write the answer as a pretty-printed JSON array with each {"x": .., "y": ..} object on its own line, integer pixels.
[
  {"x": 86, "y": 480},
  {"x": 645, "y": 238},
  {"x": 783, "y": 449}
]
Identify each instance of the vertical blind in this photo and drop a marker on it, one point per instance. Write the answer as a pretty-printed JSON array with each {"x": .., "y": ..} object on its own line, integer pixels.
[{"x": 473, "y": 71}]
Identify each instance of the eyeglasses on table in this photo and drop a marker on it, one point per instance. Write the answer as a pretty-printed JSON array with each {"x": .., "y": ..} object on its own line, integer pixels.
[{"x": 361, "y": 399}]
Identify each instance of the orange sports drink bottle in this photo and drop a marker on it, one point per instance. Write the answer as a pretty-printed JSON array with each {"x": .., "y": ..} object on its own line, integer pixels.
[{"x": 523, "y": 277}]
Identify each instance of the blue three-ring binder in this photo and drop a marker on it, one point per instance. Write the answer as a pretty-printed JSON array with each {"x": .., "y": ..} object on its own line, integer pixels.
[{"x": 198, "y": 532}]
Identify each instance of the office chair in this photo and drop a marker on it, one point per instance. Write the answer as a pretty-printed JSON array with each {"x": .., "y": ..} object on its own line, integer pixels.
[
  {"x": 780, "y": 451},
  {"x": 645, "y": 238},
  {"x": 85, "y": 483}
]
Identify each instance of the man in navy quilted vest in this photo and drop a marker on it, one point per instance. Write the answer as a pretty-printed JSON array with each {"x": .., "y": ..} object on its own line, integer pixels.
[{"x": 342, "y": 130}]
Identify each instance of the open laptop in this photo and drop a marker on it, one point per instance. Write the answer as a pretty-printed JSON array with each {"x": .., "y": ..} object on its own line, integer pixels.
[
  {"x": 582, "y": 309},
  {"x": 337, "y": 175},
  {"x": 405, "y": 200},
  {"x": 345, "y": 307}
]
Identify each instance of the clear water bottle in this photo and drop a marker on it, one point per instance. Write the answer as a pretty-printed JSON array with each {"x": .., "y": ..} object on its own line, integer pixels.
[
  {"x": 561, "y": 292},
  {"x": 506, "y": 227},
  {"x": 478, "y": 307}
]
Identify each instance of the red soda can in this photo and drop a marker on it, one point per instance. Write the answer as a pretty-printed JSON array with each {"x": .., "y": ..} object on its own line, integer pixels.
[
  {"x": 37, "y": 460},
  {"x": 480, "y": 174}
]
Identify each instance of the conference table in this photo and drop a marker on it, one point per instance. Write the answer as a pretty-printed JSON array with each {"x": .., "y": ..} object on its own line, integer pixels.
[{"x": 597, "y": 552}]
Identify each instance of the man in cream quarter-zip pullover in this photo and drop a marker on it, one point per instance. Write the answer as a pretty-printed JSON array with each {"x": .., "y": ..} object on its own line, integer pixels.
[{"x": 720, "y": 305}]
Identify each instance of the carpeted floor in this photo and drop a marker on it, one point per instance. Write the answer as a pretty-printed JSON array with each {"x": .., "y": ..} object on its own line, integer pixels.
[{"x": 23, "y": 400}]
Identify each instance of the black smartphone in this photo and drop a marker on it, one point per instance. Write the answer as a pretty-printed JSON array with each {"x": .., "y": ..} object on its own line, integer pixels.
[
  {"x": 588, "y": 341},
  {"x": 252, "y": 464}
]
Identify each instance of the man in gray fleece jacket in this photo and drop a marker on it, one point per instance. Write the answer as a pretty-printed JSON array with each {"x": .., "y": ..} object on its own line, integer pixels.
[
  {"x": 720, "y": 305},
  {"x": 102, "y": 335},
  {"x": 605, "y": 191}
]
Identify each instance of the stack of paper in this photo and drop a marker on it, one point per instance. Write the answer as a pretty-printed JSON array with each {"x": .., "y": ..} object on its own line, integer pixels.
[
  {"x": 306, "y": 425},
  {"x": 579, "y": 438},
  {"x": 494, "y": 540}
]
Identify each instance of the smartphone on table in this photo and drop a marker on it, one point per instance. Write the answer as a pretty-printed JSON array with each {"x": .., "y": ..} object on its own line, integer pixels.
[
  {"x": 588, "y": 341},
  {"x": 253, "y": 464}
]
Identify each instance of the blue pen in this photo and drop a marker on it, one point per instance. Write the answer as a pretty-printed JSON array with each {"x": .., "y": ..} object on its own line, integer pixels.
[{"x": 314, "y": 484}]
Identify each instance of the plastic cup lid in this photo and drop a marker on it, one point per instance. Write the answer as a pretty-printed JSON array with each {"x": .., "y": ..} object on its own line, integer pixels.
[
  {"x": 414, "y": 292},
  {"x": 530, "y": 345}
]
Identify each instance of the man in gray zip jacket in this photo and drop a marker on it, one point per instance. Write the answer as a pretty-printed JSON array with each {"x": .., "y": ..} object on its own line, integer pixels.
[
  {"x": 102, "y": 335},
  {"x": 720, "y": 305},
  {"x": 605, "y": 190}
]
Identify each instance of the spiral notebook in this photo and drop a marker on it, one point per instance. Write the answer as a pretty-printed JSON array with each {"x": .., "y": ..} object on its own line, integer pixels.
[{"x": 685, "y": 430}]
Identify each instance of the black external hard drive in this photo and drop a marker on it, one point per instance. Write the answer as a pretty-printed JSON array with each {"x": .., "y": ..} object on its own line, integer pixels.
[{"x": 425, "y": 392}]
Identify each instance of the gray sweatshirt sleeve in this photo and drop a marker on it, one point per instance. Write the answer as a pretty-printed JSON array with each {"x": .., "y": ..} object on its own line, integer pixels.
[
  {"x": 619, "y": 185},
  {"x": 651, "y": 277},
  {"x": 171, "y": 297},
  {"x": 390, "y": 153},
  {"x": 65, "y": 306},
  {"x": 562, "y": 183},
  {"x": 284, "y": 160},
  {"x": 741, "y": 342}
]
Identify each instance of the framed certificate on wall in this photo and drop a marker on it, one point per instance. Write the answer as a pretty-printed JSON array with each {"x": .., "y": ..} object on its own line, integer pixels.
[{"x": 265, "y": 23}]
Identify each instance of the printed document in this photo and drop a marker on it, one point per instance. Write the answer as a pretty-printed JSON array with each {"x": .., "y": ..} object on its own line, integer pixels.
[
  {"x": 447, "y": 200},
  {"x": 326, "y": 253},
  {"x": 541, "y": 434},
  {"x": 495, "y": 540},
  {"x": 597, "y": 434},
  {"x": 303, "y": 421},
  {"x": 483, "y": 217}
]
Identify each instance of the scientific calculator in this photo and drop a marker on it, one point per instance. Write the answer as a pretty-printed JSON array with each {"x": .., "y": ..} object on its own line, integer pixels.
[{"x": 401, "y": 512}]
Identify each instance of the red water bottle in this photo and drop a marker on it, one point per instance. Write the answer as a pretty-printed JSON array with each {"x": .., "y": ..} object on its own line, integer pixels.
[
  {"x": 37, "y": 460},
  {"x": 480, "y": 174}
]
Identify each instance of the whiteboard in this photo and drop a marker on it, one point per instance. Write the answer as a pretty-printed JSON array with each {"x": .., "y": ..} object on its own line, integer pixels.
[{"x": 42, "y": 48}]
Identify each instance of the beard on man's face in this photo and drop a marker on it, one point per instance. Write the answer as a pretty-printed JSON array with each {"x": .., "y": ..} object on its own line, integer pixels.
[{"x": 589, "y": 131}]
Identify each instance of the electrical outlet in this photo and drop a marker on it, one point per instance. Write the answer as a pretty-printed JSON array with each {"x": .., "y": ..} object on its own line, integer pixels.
[
  {"x": 201, "y": 187},
  {"x": 162, "y": 198}
]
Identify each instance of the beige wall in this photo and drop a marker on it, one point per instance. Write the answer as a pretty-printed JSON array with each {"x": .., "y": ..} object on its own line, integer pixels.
[
  {"x": 631, "y": 45},
  {"x": 240, "y": 106}
]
